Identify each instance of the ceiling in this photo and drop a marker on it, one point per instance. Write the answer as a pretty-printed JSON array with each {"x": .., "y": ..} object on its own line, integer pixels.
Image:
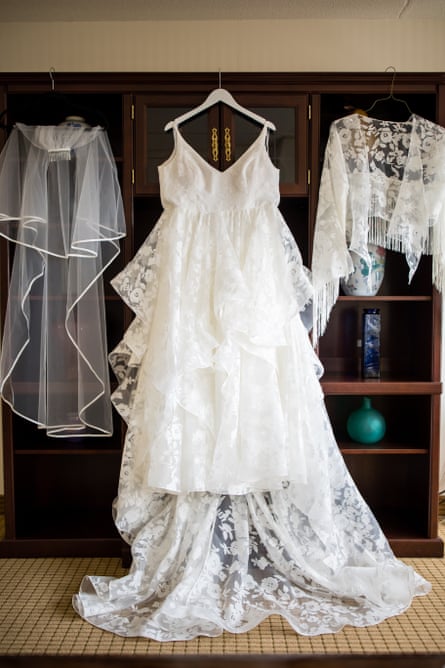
[{"x": 177, "y": 10}]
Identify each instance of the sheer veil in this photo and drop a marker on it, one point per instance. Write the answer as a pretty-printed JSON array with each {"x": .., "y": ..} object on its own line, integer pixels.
[{"x": 61, "y": 205}]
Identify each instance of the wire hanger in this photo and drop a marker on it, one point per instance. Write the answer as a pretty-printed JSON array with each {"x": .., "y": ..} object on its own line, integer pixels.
[
  {"x": 391, "y": 94},
  {"x": 3, "y": 125},
  {"x": 220, "y": 95},
  {"x": 53, "y": 107},
  {"x": 51, "y": 73}
]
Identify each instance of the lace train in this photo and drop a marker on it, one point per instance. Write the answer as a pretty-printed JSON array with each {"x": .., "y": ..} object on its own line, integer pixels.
[{"x": 206, "y": 563}]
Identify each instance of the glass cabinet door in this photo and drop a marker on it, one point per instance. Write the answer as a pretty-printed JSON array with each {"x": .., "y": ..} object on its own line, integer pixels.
[
  {"x": 154, "y": 145},
  {"x": 221, "y": 135},
  {"x": 288, "y": 144}
]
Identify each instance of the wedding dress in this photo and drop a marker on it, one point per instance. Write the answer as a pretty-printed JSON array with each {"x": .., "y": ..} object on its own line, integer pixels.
[{"x": 233, "y": 493}]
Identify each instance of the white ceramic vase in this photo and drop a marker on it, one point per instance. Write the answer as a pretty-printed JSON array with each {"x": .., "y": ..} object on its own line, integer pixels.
[{"x": 365, "y": 281}]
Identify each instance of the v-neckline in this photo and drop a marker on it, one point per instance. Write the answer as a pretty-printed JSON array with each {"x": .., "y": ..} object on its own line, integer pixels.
[{"x": 194, "y": 152}]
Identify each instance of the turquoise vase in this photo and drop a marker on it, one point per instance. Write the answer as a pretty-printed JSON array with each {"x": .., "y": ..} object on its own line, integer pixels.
[{"x": 366, "y": 425}]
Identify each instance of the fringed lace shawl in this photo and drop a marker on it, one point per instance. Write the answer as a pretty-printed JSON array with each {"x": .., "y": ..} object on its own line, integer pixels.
[
  {"x": 61, "y": 205},
  {"x": 383, "y": 182}
]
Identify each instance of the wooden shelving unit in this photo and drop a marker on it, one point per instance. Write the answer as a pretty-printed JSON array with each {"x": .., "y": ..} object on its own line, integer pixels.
[{"x": 59, "y": 495}]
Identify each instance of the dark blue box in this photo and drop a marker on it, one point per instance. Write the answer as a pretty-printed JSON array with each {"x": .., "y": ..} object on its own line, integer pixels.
[{"x": 371, "y": 343}]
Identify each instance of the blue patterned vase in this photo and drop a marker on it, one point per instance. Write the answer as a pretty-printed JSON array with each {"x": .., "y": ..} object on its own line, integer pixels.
[{"x": 365, "y": 281}]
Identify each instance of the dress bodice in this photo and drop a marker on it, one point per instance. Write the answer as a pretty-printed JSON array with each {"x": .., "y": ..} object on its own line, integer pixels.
[{"x": 189, "y": 182}]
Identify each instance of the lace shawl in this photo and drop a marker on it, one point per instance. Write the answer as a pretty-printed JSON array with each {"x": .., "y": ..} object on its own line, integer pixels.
[
  {"x": 383, "y": 182},
  {"x": 61, "y": 205}
]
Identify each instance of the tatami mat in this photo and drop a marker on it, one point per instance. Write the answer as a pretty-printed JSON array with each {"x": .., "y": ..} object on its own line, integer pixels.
[{"x": 36, "y": 618}]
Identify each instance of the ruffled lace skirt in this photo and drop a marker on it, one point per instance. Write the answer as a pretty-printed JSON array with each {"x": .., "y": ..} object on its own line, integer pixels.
[{"x": 233, "y": 493}]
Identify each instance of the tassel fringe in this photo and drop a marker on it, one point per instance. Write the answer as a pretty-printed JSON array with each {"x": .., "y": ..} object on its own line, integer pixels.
[
  {"x": 324, "y": 301},
  {"x": 433, "y": 244}
]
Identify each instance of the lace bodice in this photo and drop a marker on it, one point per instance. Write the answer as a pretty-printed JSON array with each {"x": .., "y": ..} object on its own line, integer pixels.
[
  {"x": 383, "y": 182},
  {"x": 187, "y": 180}
]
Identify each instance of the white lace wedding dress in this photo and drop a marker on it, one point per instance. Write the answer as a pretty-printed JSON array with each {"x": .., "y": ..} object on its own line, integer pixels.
[{"x": 233, "y": 493}]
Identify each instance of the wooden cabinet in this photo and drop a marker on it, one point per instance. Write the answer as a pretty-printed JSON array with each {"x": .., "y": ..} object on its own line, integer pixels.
[{"x": 58, "y": 492}]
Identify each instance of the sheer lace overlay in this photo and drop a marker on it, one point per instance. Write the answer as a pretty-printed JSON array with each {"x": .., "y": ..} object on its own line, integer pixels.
[
  {"x": 233, "y": 493},
  {"x": 60, "y": 203},
  {"x": 382, "y": 183}
]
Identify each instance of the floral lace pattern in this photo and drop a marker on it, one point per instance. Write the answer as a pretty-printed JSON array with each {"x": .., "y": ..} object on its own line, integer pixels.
[
  {"x": 233, "y": 494},
  {"x": 137, "y": 285},
  {"x": 205, "y": 563},
  {"x": 382, "y": 183},
  {"x": 179, "y": 351}
]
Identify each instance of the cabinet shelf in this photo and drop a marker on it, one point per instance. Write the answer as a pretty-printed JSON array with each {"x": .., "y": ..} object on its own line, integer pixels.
[
  {"x": 386, "y": 298},
  {"x": 340, "y": 384},
  {"x": 53, "y": 298},
  {"x": 381, "y": 448},
  {"x": 57, "y": 387},
  {"x": 68, "y": 451}
]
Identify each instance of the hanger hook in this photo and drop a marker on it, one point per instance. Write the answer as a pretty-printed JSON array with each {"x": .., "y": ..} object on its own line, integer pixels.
[
  {"x": 393, "y": 80},
  {"x": 219, "y": 78},
  {"x": 52, "y": 72}
]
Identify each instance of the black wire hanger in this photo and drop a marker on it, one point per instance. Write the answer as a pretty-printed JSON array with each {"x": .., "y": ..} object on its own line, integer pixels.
[
  {"x": 391, "y": 97},
  {"x": 53, "y": 107}
]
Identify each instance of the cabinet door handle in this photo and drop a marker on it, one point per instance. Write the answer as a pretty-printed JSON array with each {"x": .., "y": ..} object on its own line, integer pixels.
[
  {"x": 214, "y": 144},
  {"x": 227, "y": 144}
]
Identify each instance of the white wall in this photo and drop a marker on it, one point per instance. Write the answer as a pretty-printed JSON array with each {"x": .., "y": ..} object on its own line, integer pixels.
[
  {"x": 298, "y": 45},
  {"x": 231, "y": 46}
]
